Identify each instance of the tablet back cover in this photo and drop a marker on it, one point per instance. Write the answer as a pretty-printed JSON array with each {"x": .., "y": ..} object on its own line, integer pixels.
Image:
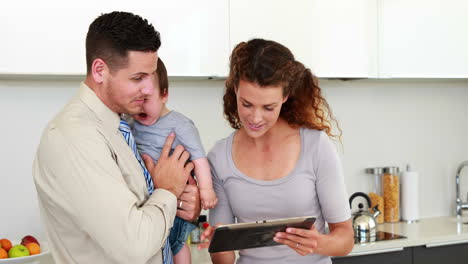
[{"x": 233, "y": 237}]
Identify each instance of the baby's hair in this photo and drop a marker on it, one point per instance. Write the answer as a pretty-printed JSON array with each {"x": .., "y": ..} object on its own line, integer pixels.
[{"x": 162, "y": 78}]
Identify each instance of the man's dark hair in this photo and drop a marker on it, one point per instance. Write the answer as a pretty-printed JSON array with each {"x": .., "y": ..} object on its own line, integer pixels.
[{"x": 112, "y": 35}]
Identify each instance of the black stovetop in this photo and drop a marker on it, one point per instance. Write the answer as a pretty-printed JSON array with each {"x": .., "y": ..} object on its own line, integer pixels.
[{"x": 380, "y": 236}]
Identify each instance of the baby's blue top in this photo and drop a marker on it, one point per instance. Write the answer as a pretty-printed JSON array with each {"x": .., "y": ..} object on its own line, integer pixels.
[
  {"x": 151, "y": 139},
  {"x": 314, "y": 187}
]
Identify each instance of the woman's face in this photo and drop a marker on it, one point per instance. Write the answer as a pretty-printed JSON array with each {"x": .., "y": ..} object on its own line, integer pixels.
[{"x": 258, "y": 107}]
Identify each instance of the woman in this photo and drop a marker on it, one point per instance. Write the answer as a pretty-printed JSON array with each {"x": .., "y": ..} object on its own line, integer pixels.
[{"x": 280, "y": 161}]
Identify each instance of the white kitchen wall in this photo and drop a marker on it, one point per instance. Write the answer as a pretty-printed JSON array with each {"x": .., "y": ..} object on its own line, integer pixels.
[{"x": 384, "y": 122}]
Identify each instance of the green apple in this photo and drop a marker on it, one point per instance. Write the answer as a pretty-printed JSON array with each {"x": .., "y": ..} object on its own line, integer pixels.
[{"x": 18, "y": 251}]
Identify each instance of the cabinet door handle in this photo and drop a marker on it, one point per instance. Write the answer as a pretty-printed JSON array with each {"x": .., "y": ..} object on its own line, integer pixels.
[
  {"x": 377, "y": 251},
  {"x": 447, "y": 243}
]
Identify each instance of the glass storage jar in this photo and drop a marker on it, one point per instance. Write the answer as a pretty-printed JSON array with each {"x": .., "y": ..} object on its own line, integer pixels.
[
  {"x": 391, "y": 194},
  {"x": 375, "y": 195}
]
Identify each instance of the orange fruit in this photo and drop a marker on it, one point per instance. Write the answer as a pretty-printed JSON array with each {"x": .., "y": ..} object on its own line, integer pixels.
[
  {"x": 33, "y": 248},
  {"x": 3, "y": 253},
  {"x": 5, "y": 244}
]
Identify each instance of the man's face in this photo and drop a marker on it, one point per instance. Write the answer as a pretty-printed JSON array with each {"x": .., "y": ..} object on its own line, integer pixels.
[{"x": 126, "y": 89}]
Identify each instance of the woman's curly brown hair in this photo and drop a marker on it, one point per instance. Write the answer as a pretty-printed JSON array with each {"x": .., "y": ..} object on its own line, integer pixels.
[{"x": 269, "y": 63}]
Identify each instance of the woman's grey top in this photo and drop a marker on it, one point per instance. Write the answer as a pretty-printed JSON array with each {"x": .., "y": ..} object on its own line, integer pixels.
[{"x": 314, "y": 187}]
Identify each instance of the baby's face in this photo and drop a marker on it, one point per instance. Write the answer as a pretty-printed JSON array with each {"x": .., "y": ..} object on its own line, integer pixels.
[{"x": 152, "y": 108}]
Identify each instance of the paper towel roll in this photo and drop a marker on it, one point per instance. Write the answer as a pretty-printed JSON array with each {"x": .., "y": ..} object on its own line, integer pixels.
[{"x": 409, "y": 195}]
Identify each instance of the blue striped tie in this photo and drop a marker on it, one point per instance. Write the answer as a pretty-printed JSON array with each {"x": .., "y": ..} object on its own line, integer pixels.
[{"x": 127, "y": 134}]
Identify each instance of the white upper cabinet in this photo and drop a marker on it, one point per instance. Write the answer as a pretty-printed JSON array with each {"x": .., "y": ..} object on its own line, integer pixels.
[
  {"x": 335, "y": 38},
  {"x": 424, "y": 39},
  {"x": 194, "y": 35},
  {"x": 45, "y": 40}
]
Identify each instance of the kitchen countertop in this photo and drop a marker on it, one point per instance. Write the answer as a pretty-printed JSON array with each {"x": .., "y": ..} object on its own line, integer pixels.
[{"x": 431, "y": 232}]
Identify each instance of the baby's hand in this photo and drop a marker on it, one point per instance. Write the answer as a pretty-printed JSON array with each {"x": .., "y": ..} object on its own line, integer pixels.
[{"x": 208, "y": 198}]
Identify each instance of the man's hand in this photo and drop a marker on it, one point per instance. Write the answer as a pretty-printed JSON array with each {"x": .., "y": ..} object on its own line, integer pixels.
[
  {"x": 170, "y": 172},
  {"x": 188, "y": 204}
]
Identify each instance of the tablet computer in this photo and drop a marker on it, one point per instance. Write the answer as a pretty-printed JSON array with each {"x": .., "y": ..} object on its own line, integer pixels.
[{"x": 255, "y": 234}]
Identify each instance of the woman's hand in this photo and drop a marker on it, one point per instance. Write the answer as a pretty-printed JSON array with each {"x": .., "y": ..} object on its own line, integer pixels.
[
  {"x": 303, "y": 241},
  {"x": 206, "y": 235},
  {"x": 226, "y": 257},
  {"x": 339, "y": 242}
]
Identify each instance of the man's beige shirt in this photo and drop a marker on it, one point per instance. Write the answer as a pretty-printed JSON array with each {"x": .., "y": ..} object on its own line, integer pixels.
[{"x": 92, "y": 193}]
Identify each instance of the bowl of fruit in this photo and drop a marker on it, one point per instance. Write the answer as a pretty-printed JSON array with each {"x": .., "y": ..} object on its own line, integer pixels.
[{"x": 26, "y": 251}]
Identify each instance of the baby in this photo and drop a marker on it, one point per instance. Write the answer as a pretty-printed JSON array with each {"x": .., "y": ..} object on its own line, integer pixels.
[{"x": 150, "y": 131}]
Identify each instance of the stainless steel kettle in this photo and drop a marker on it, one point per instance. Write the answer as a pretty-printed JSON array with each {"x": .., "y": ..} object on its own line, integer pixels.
[{"x": 364, "y": 223}]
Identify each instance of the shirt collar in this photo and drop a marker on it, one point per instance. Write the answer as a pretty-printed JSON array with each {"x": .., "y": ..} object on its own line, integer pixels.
[{"x": 109, "y": 118}]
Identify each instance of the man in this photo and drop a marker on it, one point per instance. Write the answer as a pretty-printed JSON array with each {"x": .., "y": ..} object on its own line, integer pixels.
[{"x": 92, "y": 191}]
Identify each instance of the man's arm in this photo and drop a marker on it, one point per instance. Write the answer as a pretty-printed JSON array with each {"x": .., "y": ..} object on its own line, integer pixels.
[{"x": 80, "y": 181}]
